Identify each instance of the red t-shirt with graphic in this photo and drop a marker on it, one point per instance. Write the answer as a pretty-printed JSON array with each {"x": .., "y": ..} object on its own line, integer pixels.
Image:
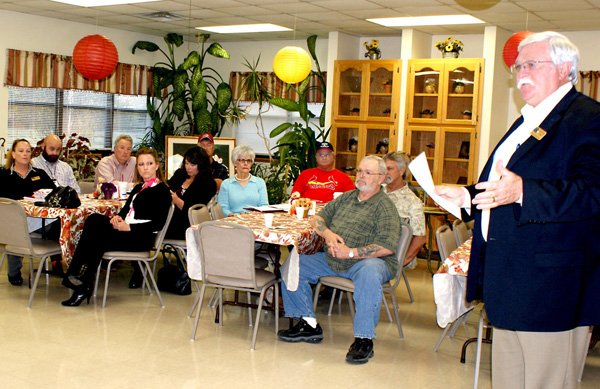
[{"x": 318, "y": 184}]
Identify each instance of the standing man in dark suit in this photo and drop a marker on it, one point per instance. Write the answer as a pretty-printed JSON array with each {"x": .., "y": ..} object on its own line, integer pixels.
[{"x": 535, "y": 258}]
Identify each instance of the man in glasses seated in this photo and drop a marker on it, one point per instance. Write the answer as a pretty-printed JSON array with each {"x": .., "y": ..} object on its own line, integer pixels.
[
  {"x": 361, "y": 229},
  {"x": 321, "y": 182}
]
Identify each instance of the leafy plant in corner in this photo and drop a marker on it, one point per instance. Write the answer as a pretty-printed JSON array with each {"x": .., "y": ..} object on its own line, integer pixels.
[
  {"x": 77, "y": 154},
  {"x": 187, "y": 98},
  {"x": 296, "y": 149}
]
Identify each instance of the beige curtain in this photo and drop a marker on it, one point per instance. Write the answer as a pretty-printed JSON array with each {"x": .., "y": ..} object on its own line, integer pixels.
[
  {"x": 276, "y": 87},
  {"x": 44, "y": 70},
  {"x": 588, "y": 83}
]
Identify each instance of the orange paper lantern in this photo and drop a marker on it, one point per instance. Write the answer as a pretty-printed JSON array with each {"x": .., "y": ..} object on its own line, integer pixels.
[
  {"x": 291, "y": 64},
  {"x": 511, "y": 47},
  {"x": 95, "y": 57}
]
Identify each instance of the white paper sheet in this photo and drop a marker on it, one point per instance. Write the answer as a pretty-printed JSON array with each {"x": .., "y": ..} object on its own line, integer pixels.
[{"x": 420, "y": 171}]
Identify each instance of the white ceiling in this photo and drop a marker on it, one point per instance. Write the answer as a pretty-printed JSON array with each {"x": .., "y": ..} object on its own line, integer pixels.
[{"x": 309, "y": 17}]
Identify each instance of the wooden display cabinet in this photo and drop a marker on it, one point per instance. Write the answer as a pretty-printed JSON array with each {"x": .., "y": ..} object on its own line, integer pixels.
[
  {"x": 442, "y": 120},
  {"x": 365, "y": 109}
]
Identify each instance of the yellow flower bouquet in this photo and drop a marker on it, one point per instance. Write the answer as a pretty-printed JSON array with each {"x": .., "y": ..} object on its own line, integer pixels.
[
  {"x": 450, "y": 45},
  {"x": 373, "y": 51}
]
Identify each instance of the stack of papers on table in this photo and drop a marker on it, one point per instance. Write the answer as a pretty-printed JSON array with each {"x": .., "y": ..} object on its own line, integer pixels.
[{"x": 268, "y": 208}]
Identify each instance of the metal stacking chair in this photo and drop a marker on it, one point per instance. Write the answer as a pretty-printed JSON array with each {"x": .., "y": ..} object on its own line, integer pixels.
[
  {"x": 216, "y": 211},
  {"x": 231, "y": 266},
  {"x": 461, "y": 232},
  {"x": 15, "y": 240},
  {"x": 141, "y": 257},
  {"x": 388, "y": 287}
]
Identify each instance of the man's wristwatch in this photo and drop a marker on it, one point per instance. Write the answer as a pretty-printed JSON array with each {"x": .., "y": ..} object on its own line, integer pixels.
[{"x": 351, "y": 253}]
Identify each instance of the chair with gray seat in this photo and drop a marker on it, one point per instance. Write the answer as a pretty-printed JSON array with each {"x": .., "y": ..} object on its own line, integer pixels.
[
  {"x": 16, "y": 240},
  {"x": 87, "y": 187},
  {"x": 389, "y": 287},
  {"x": 231, "y": 266},
  {"x": 461, "y": 232},
  {"x": 216, "y": 211},
  {"x": 197, "y": 214},
  {"x": 446, "y": 243},
  {"x": 142, "y": 258}
]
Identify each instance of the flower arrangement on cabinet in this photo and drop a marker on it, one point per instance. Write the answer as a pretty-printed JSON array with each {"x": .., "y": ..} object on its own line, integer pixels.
[
  {"x": 450, "y": 45},
  {"x": 373, "y": 51}
]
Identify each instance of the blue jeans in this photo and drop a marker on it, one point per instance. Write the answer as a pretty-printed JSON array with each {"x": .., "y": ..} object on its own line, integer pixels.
[{"x": 368, "y": 275}]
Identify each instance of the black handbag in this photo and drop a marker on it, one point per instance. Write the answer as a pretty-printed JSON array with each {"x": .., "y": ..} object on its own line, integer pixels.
[
  {"x": 62, "y": 197},
  {"x": 174, "y": 279}
]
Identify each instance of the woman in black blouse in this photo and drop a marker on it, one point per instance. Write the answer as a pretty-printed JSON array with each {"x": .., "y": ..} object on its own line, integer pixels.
[
  {"x": 19, "y": 179},
  {"x": 191, "y": 184},
  {"x": 132, "y": 229}
]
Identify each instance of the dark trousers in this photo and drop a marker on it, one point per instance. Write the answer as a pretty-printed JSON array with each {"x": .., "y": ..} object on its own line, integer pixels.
[{"x": 99, "y": 236}]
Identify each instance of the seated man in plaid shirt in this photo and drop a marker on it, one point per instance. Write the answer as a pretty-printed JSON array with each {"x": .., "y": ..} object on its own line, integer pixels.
[{"x": 361, "y": 229}]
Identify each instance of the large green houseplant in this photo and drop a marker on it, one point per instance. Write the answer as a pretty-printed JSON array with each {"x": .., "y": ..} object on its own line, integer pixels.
[
  {"x": 296, "y": 149},
  {"x": 187, "y": 98}
]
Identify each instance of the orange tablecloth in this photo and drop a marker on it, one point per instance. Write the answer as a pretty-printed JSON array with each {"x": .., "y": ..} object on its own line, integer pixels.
[
  {"x": 287, "y": 230},
  {"x": 71, "y": 220},
  {"x": 457, "y": 262}
]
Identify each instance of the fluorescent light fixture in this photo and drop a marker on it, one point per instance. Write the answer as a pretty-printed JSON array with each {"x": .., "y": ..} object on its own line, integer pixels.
[
  {"x": 242, "y": 28},
  {"x": 437, "y": 20},
  {"x": 100, "y": 3}
]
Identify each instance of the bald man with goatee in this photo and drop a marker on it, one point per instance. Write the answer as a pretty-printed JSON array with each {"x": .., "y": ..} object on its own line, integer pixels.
[{"x": 59, "y": 171}]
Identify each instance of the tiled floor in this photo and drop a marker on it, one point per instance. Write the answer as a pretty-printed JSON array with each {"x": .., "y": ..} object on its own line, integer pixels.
[{"x": 133, "y": 343}]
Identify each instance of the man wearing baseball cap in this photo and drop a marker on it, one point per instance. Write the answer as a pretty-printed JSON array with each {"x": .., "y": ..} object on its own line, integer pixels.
[
  {"x": 219, "y": 171},
  {"x": 319, "y": 183}
]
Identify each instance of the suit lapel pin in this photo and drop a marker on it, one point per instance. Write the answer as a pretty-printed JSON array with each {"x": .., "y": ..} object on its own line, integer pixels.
[{"x": 538, "y": 133}]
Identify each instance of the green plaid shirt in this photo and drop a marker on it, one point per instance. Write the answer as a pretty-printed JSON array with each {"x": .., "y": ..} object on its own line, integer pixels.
[{"x": 360, "y": 223}]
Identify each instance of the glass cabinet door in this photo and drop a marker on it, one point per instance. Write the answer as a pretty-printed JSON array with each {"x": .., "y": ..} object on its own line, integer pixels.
[
  {"x": 347, "y": 144},
  {"x": 424, "y": 139},
  {"x": 425, "y": 84},
  {"x": 457, "y": 153},
  {"x": 378, "y": 139},
  {"x": 381, "y": 79},
  {"x": 461, "y": 90},
  {"x": 350, "y": 87}
]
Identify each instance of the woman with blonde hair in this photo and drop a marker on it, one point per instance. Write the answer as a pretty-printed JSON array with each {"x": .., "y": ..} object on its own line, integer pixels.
[
  {"x": 132, "y": 229},
  {"x": 19, "y": 179}
]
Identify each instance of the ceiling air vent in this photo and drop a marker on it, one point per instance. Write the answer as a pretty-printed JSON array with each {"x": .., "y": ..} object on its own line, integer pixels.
[{"x": 162, "y": 16}]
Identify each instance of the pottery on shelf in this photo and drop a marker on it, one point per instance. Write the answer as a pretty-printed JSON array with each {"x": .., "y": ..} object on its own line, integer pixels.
[{"x": 449, "y": 54}]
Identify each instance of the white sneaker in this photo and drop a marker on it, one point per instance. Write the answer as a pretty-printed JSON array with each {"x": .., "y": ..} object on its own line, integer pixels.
[{"x": 412, "y": 264}]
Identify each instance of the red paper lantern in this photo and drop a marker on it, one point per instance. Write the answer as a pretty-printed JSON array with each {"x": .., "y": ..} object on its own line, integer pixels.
[
  {"x": 95, "y": 57},
  {"x": 511, "y": 47}
]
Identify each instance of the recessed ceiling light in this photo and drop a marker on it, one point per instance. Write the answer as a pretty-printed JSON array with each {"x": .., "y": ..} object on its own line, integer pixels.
[
  {"x": 100, "y": 3},
  {"x": 242, "y": 28},
  {"x": 438, "y": 20}
]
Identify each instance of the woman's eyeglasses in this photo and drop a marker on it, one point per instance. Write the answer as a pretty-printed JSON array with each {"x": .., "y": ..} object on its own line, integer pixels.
[{"x": 243, "y": 161}]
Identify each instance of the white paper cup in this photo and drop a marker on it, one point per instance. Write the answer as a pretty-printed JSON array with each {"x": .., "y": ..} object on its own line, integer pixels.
[
  {"x": 300, "y": 213},
  {"x": 337, "y": 194},
  {"x": 122, "y": 185},
  {"x": 269, "y": 219}
]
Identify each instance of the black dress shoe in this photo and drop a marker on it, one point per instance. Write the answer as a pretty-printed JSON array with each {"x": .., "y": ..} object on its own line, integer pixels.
[
  {"x": 360, "y": 351},
  {"x": 77, "y": 298},
  {"x": 302, "y": 332},
  {"x": 15, "y": 280}
]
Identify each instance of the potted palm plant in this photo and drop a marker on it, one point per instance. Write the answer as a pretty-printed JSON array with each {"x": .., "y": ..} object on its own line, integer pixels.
[{"x": 188, "y": 97}]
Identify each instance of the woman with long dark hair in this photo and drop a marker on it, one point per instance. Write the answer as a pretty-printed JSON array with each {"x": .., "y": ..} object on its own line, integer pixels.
[{"x": 191, "y": 184}]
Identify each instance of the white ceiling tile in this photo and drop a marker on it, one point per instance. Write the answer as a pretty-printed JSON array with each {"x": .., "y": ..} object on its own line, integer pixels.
[{"x": 321, "y": 16}]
